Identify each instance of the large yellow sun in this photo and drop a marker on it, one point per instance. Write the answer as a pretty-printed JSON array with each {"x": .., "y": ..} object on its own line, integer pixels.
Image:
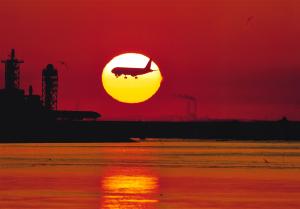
[{"x": 131, "y": 78}]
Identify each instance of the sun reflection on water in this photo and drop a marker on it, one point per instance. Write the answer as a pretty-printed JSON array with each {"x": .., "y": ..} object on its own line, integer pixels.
[{"x": 130, "y": 191}]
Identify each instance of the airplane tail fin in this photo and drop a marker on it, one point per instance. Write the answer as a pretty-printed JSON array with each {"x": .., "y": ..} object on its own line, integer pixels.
[{"x": 148, "y": 66}]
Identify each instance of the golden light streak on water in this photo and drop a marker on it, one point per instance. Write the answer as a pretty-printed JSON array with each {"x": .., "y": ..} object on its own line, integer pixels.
[{"x": 130, "y": 189}]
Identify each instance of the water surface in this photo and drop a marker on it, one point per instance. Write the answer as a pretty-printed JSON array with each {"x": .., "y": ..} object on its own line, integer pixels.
[{"x": 151, "y": 175}]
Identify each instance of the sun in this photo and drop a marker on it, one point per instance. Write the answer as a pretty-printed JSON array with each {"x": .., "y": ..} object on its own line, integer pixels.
[{"x": 131, "y": 78}]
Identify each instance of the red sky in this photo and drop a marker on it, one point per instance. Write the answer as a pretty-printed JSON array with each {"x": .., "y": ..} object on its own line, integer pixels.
[{"x": 204, "y": 48}]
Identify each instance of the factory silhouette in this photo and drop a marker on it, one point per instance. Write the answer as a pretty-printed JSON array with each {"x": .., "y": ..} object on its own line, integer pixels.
[
  {"x": 34, "y": 118},
  {"x": 15, "y": 105}
]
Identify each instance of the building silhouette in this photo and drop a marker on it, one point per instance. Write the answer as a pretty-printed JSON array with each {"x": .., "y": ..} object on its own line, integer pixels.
[{"x": 16, "y": 106}]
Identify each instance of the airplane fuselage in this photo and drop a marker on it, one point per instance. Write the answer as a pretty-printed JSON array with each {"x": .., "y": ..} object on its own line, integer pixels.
[
  {"x": 134, "y": 72},
  {"x": 130, "y": 71}
]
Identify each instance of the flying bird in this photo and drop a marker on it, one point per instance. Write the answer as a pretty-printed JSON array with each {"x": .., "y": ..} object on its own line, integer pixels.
[
  {"x": 249, "y": 19},
  {"x": 64, "y": 64}
]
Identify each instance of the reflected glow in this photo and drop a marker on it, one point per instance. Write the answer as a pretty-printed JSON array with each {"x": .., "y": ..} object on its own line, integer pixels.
[
  {"x": 131, "y": 90},
  {"x": 130, "y": 184},
  {"x": 128, "y": 191}
]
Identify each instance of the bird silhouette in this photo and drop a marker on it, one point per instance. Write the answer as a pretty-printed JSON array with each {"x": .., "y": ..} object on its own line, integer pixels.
[
  {"x": 64, "y": 64},
  {"x": 249, "y": 19}
]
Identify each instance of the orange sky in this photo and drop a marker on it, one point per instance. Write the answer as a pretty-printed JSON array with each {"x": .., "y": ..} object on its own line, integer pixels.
[{"x": 204, "y": 48}]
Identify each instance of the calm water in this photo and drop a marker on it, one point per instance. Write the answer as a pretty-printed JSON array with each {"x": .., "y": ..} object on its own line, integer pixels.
[{"x": 150, "y": 175}]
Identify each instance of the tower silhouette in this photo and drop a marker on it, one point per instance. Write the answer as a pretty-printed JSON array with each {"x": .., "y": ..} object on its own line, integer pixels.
[
  {"x": 12, "y": 71},
  {"x": 50, "y": 87}
]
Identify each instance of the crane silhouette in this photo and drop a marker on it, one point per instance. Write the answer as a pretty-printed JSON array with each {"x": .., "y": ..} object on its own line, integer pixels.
[{"x": 192, "y": 104}]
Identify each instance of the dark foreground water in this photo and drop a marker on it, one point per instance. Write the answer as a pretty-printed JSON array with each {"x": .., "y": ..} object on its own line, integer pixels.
[{"x": 152, "y": 175}]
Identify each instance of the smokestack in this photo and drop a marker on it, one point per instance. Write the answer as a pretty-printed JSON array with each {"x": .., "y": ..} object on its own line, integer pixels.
[{"x": 30, "y": 90}]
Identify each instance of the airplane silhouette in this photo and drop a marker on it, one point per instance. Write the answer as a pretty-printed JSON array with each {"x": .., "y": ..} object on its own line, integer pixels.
[{"x": 134, "y": 72}]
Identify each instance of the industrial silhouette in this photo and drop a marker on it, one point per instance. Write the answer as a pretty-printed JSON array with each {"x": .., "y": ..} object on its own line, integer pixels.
[
  {"x": 134, "y": 72},
  {"x": 34, "y": 118},
  {"x": 12, "y": 72},
  {"x": 50, "y": 87},
  {"x": 192, "y": 105},
  {"x": 15, "y": 104}
]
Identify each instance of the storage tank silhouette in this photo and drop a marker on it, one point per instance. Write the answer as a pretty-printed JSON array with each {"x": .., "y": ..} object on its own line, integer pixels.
[{"x": 49, "y": 87}]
